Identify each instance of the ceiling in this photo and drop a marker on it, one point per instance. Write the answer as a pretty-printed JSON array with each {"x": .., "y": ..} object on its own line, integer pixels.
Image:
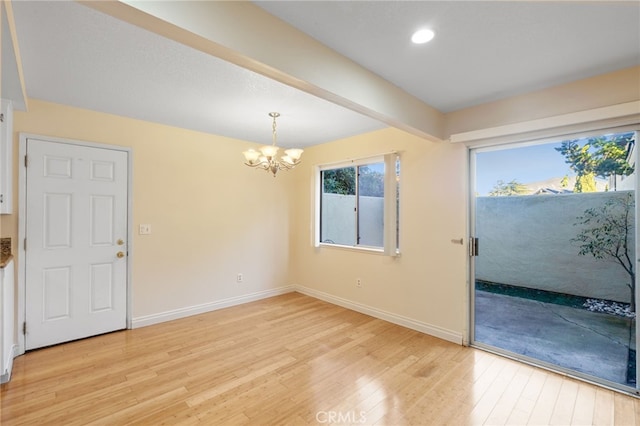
[{"x": 483, "y": 51}]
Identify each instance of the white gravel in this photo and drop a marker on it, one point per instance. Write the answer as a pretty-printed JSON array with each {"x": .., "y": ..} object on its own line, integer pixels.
[{"x": 607, "y": 307}]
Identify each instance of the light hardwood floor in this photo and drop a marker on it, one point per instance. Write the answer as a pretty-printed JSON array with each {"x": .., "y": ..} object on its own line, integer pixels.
[{"x": 292, "y": 359}]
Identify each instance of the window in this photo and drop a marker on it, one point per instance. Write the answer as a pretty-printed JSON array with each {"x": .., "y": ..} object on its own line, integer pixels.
[{"x": 358, "y": 204}]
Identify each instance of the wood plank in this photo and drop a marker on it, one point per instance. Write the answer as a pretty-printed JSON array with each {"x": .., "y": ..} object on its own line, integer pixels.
[
  {"x": 523, "y": 407},
  {"x": 624, "y": 412},
  {"x": 603, "y": 412},
  {"x": 565, "y": 403},
  {"x": 585, "y": 404},
  {"x": 543, "y": 409},
  {"x": 505, "y": 405},
  {"x": 453, "y": 397},
  {"x": 493, "y": 394}
]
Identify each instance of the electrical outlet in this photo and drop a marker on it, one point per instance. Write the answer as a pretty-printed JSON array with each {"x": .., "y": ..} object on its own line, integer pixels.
[
  {"x": 358, "y": 282},
  {"x": 239, "y": 278},
  {"x": 144, "y": 229}
]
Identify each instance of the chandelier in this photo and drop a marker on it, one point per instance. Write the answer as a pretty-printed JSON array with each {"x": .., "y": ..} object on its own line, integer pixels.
[{"x": 267, "y": 159}]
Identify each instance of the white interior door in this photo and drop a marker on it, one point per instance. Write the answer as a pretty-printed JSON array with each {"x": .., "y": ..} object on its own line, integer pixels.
[{"x": 76, "y": 249}]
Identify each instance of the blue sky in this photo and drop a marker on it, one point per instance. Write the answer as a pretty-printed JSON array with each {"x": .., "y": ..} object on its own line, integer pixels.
[{"x": 525, "y": 164}]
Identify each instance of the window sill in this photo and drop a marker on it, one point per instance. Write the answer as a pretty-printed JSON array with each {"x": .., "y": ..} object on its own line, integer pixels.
[{"x": 370, "y": 250}]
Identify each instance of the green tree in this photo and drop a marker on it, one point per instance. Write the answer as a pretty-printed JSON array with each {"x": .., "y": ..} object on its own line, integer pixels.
[
  {"x": 602, "y": 156},
  {"x": 585, "y": 183},
  {"x": 608, "y": 234},
  {"x": 371, "y": 182},
  {"x": 502, "y": 189},
  {"x": 343, "y": 181},
  {"x": 612, "y": 154},
  {"x": 340, "y": 181},
  {"x": 582, "y": 162},
  {"x": 564, "y": 182}
]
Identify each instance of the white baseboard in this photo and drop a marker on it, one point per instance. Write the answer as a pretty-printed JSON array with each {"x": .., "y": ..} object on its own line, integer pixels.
[
  {"x": 429, "y": 329},
  {"x": 422, "y": 327},
  {"x": 146, "y": 320},
  {"x": 4, "y": 378}
]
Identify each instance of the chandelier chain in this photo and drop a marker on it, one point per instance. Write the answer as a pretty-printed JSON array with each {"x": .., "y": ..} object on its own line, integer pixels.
[{"x": 274, "y": 136}]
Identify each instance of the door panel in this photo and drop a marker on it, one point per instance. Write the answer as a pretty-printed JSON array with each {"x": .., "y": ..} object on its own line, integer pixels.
[
  {"x": 102, "y": 218},
  {"x": 102, "y": 287},
  {"x": 56, "y": 292},
  {"x": 76, "y": 210},
  {"x": 57, "y": 216}
]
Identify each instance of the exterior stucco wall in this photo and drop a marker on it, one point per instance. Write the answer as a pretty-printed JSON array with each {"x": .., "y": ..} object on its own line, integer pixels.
[
  {"x": 339, "y": 224},
  {"x": 526, "y": 241}
]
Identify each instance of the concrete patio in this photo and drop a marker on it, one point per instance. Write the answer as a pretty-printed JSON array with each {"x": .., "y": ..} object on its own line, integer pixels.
[{"x": 589, "y": 342}]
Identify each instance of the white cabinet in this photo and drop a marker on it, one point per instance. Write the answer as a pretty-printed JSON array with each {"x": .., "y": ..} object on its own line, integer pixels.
[
  {"x": 6, "y": 157},
  {"x": 7, "y": 345}
]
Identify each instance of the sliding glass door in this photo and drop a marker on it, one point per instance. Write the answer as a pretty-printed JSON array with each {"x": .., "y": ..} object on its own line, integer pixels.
[{"x": 554, "y": 276}]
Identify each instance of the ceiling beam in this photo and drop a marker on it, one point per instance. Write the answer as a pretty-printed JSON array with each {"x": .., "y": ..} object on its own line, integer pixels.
[{"x": 246, "y": 35}]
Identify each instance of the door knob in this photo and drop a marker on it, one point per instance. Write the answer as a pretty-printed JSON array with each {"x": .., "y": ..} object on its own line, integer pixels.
[
  {"x": 120, "y": 242},
  {"x": 120, "y": 255}
]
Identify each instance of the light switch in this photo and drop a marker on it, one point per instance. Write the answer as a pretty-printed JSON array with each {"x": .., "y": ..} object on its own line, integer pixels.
[{"x": 145, "y": 229}]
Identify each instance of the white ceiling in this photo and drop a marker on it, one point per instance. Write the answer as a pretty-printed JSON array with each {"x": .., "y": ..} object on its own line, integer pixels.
[{"x": 483, "y": 51}]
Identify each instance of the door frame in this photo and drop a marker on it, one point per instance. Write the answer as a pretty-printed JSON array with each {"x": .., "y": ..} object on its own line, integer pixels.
[{"x": 22, "y": 229}]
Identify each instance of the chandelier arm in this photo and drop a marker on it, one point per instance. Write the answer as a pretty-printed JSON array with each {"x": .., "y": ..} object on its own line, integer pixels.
[
  {"x": 261, "y": 165},
  {"x": 283, "y": 165}
]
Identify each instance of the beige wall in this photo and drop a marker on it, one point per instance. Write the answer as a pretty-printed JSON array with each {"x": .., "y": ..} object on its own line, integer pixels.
[
  {"x": 211, "y": 216},
  {"x": 427, "y": 282}
]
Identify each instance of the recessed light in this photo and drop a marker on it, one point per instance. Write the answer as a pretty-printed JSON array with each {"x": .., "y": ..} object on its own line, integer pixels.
[{"x": 422, "y": 36}]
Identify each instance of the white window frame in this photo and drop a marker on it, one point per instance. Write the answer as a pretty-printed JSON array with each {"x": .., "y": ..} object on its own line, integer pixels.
[{"x": 390, "y": 216}]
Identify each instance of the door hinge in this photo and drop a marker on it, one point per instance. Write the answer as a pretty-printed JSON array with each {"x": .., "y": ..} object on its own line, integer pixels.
[
  {"x": 24, "y": 328},
  {"x": 26, "y": 161},
  {"x": 1, "y": 198},
  {"x": 473, "y": 246},
  {"x": 1, "y": 118},
  {"x": 24, "y": 243}
]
